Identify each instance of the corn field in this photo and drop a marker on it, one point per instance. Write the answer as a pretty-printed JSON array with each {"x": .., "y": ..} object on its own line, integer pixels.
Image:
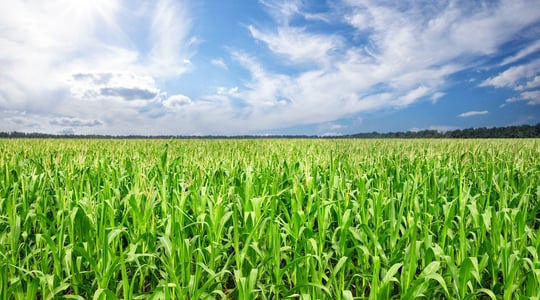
[{"x": 269, "y": 219}]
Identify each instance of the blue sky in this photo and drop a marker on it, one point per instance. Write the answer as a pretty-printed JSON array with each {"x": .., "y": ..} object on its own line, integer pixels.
[{"x": 267, "y": 67}]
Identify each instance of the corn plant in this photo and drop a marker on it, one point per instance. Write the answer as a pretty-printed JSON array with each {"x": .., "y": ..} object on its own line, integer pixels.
[{"x": 269, "y": 219}]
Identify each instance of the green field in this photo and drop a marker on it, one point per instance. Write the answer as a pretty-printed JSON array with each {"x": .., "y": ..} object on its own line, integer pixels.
[{"x": 269, "y": 219}]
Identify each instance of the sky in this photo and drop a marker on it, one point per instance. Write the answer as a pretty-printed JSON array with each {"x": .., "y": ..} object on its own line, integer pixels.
[{"x": 267, "y": 67}]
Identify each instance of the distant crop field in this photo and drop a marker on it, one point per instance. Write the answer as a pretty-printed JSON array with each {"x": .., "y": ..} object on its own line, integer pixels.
[{"x": 269, "y": 219}]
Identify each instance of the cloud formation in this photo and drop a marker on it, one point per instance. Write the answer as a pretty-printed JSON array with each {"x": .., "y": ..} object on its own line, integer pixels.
[
  {"x": 81, "y": 62},
  {"x": 409, "y": 53},
  {"x": 298, "y": 46},
  {"x": 75, "y": 122},
  {"x": 122, "y": 85},
  {"x": 176, "y": 102},
  {"x": 531, "y": 97},
  {"x": 219, "y": 63},
  {"x": 514, "y": 76},
  {"x": 473, "y": 113},
  {"x": 120, "y": 67},
  {"x": 171, "y": 39},
  {"x": 521, "y": 78}
]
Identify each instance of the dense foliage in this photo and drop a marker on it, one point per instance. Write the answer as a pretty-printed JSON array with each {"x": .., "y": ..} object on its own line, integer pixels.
[
  {"x": 269, "y": 219},
  {"x": 523, "y": 131}
]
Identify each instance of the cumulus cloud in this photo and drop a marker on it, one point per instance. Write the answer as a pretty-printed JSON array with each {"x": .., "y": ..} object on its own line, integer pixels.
[
  {"x": 123, "y": 85},
  {"x": 473, "y": 113},
  {"x": 522, "y": 78},
  {"x": 176, "y": 102},
  {"x": 533, "y": 97},
  {"x": 55, "y": 54},
  {"x": 533, "y": 83}
]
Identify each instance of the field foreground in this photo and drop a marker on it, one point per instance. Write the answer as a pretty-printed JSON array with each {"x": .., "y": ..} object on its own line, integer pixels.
[{"x": 269, "y": 219}]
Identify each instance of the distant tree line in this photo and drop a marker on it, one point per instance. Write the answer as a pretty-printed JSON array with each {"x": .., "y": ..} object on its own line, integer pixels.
[{"x": 523, "y": 131}]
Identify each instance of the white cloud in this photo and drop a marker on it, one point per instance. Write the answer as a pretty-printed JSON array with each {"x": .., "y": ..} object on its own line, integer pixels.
[
  {"x": 411, "y": 49},
  {"x": 58, "y": 37},
  {"x": 473, "y": 113},
  {"x": 329, "y": 134},
  {"x": 284, "y": 10},
  {"x": 415, "y": 33},
  {"x": 531, "y": 97},
  {"x": 436, "y": 96},
  {"x": 113, "y": 86},
  {"x": 535, "y": 47},
  {"x": 407, "y": 36},
  {"x": 413, "y": 95},
  {"x": 513, "y": 75},
  {"x": 442, "y": 128},
  {"x": 84, "y": 66},
  {"x": 176, "y": 102},
  {"x": 521, "y": 78},
  {"x": 533, "y": 83},
  {"x": 227, "y": 91},
  {"x": 219, "y": 62},
  {"x": 172, "y": 45},
  {"x": 507, "y": 78},
  {"x": 284, "y": 100},
  {"x": 299, "y": 46},
  {"x": 56, "y": 53}
]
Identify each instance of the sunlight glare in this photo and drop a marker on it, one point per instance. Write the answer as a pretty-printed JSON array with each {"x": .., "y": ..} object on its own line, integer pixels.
[{"x": 90, "y": 10}]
